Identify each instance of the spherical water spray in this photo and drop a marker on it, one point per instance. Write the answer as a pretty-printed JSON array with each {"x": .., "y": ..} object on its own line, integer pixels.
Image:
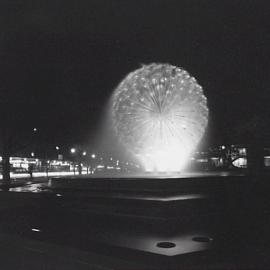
[{"x": 159, "y": 113}]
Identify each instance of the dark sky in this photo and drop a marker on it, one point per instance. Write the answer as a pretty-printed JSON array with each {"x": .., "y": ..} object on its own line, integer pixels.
[{"x": 68, "y": 56}]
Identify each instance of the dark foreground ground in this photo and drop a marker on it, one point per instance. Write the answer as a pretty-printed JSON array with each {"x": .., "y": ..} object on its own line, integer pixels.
[{"x": 213, "y": 221}]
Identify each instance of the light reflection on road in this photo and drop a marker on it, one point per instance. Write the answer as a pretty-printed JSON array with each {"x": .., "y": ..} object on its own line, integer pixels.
[
  {"x": 42, "y": 174},
  {"x": 35, "y": 188}
]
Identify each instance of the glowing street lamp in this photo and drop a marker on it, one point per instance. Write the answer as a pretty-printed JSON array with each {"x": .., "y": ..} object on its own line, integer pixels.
[
  {"x": 73, "y": 151},
  {"x": 92, "y": 163},
  {"x": 78, "y": 155},
  {"x": 57, "y": 148},
  {"x": 32, "y": 154}
]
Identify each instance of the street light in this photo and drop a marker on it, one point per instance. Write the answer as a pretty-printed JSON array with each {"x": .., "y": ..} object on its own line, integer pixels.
[
  {"x": 84, "y": 153},
  {"x": 35, "y": 129},
  {"x": 73, "y": 151},
  {"x": 57, "y": 148},
  {"x": 32, "y": 154},
  {"x": 92, "y": 163}
]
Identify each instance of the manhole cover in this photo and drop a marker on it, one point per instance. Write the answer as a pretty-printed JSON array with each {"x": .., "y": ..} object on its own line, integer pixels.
[
  {"x": 166, "y": 245},
  {"x": 202, "y": 239}
]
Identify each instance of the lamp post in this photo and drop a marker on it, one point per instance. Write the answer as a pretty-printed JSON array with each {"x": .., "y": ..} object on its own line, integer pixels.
[
  {"x": 93, "y": 156},
  {"x": 78, "y": 154},
  {"x": 73, "y": 151},
  {"x": 84, "y": 153}
]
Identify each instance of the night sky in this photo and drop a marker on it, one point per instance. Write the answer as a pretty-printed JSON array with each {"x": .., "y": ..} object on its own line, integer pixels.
[{"x": 67, "y": 57}]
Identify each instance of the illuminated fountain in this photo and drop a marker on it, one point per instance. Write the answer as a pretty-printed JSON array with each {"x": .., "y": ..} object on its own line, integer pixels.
[{"x": 159, "y": 113}]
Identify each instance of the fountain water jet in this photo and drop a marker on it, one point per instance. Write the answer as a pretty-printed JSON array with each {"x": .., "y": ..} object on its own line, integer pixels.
[{"x": 159, "y": 113}]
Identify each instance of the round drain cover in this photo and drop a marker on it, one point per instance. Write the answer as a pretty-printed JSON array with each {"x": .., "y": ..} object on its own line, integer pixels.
[
  {"x": 202, "y": 239},
  {"x": 166, "y": 245}
]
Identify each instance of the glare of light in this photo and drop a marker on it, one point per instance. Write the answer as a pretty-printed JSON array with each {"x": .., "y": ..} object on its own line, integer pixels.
[
  {"x": 40, "y": 174},
  {"x": 35, "y": 129},
  {"x": 57, "y": 148},
  {"x": 32, "y": 154},
  {"x": 58, "y": 195},
  {"x": 84, "y": 153},
  {"x": 240, "y": 162},
  {"x": 111, "y": 158},
  {"x": 223, "y": 147},
  {"x": 159, "y": 113},
  {"x": 93, "y": 155},
  {"x": 35, "y": 230},
  {"x": 72, "y": 150},
  {"x": 100, "y": 166},
  {"x": 168, "y": 159},
  {"x": 242, "y": 151}
]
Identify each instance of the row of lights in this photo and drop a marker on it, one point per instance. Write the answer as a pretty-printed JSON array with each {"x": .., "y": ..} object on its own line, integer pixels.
[
  {"x": 73, "y": 151},
  {"x": 84, "y": 153}
]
